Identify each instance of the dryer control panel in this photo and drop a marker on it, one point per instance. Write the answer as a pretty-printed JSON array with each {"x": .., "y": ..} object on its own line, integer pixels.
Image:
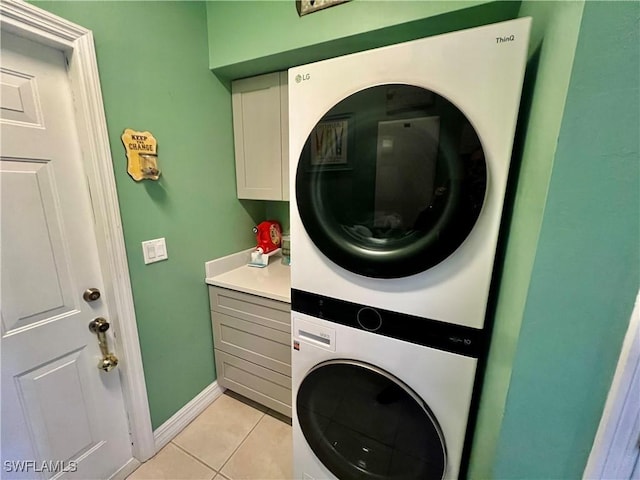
[{"x": 449, "y": 337}]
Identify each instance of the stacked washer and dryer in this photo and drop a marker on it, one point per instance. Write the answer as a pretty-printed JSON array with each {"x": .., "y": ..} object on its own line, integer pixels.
[{"x": 399, "y": 159}]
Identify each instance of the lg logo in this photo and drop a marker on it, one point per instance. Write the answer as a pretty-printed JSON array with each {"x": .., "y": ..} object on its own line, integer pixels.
[{"x": 302, "y": 78}]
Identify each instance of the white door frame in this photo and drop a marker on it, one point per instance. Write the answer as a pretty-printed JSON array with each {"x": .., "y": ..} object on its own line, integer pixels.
[
  {"x": 616, "y": 442},
  {"x": 76, "y": 42}
]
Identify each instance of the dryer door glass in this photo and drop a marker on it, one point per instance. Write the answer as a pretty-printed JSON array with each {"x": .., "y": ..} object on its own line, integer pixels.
[
  {"x": 391, "y": 181},
  {"x": 363, "y": 423}
]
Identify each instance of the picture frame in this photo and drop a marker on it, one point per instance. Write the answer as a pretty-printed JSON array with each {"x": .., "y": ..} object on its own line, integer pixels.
[
  {"x": 330, "y": 141},
  {"x": 305, "y": 7}
]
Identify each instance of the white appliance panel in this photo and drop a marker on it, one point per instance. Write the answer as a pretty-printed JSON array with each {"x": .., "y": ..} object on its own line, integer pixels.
[
  {"x": 443, "y": 380},
  {"x": 482, "y": 77}
]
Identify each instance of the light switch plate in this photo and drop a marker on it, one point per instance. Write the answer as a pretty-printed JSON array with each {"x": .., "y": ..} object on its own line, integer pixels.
[{"x": 154, "y": 250}]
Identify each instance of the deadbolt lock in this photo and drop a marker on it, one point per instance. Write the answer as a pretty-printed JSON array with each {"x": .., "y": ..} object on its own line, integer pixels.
[
  {"x": 109, "y": 361},
  {"x": 91, "y": 294}
]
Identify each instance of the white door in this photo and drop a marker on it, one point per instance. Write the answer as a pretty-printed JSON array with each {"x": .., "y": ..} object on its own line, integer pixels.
[{"x": 59, "y": 411}]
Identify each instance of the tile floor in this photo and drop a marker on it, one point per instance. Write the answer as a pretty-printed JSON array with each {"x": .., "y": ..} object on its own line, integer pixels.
[{"x": 234, "y": 439}]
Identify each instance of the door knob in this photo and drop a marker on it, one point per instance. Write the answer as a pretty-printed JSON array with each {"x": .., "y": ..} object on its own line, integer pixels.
[
  {"x": 99, "y": 326},
  {"x": 91, "y": 294}
]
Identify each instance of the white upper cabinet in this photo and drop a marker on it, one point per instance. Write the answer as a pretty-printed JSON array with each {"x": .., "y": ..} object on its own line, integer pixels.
[{"x": 261, "y": 136}]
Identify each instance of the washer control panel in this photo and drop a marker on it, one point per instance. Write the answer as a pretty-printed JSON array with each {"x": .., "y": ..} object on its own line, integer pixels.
[{"x": 323, "y": 337}]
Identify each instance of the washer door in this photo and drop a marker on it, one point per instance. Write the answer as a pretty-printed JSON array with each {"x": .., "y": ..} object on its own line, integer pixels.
[
  {"x": 363, "y": 423},
  {"x": 391, "y": 181}
]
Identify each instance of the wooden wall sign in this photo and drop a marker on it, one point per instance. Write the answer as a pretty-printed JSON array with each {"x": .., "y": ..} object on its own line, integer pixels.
[{"x": 142, "y": 155}]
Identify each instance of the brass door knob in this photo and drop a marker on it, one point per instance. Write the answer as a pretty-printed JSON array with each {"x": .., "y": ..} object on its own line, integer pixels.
[
  {"x": 99, "y": 326},
  {"x": 108, "y": 363},
  {"x": 91, "y": 294}
]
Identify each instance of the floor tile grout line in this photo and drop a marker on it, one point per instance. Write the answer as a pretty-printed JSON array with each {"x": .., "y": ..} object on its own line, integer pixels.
[
  {"x": 241, "y": 443},
  {"x": 194, "y": 457},
  {"x": 217, "y": 472}
]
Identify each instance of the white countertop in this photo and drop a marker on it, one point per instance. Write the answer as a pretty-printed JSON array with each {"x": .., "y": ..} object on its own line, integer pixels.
[{"x": 272, "y": 281}]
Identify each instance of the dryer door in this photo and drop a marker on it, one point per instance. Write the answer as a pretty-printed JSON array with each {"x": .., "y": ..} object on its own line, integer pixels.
[
  {"x": 363, "y": 423},
  {"x": 391, "y": 181}
]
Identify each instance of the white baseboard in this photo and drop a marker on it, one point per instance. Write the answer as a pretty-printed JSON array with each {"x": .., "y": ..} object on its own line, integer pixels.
[
  {"x": 183, "y": 417},
  {"x": 126, "y": 470}
]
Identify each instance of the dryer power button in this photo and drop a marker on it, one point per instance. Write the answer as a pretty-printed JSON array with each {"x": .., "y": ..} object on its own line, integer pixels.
[{"x": 369, "y": 319}]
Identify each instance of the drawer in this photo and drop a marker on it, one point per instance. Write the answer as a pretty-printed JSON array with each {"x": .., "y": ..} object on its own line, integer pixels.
[
  {"x": 260, "y": 310},
  {"x": 256, "y": 343},
  {"x": 265, "y": 386}
]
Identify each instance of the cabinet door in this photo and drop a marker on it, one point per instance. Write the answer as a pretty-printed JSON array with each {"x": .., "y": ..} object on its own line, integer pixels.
[{"x": 257, "y": 137}]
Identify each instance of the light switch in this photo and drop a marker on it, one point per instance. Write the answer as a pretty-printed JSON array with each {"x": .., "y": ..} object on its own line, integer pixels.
[{"x": 154, "y": 250}]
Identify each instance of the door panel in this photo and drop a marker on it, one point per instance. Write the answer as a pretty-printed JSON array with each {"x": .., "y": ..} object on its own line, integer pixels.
[
  {"x": 59, "y": 411},
  {"x": 391, "y": 181},
  {"x": 19, "y": 101},
  {"x": 53, "y": 400},
  {"x": 34, "y": 237},
  {"x": 363, "y": 423}
]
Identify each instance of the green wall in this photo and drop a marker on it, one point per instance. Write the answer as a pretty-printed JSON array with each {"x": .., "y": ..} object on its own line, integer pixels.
[
  {"x": 554, "y": 36},
  {"x": 278, "y": 211},
  {"x": 586, "y": 271},
  {"x": 251, "y": 37},
  {"x": 152, "y": 58}
]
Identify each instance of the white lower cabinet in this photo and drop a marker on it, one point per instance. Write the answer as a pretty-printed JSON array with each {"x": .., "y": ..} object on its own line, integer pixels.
[{"x": 252, "y": 341}]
